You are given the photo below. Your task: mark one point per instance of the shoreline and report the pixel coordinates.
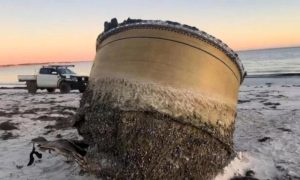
(278, 75)
(13, 87)
(258, 77)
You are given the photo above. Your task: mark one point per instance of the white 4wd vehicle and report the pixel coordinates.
(52, 77)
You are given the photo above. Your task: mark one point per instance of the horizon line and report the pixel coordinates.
(257, 49)
(41, 63)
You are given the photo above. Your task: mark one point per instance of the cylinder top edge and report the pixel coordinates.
(114, 27)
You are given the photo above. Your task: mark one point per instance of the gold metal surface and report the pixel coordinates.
(168, 58)
(157, 94)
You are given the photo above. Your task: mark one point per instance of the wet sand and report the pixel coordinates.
(266, 134)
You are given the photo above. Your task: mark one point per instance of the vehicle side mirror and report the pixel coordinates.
(54, 73)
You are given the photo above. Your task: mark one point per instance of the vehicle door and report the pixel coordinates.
(47, 78)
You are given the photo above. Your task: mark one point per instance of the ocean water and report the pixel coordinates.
(271, 61)
(256, 62)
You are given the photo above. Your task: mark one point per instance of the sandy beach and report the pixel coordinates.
(23, 117)
(266, 135)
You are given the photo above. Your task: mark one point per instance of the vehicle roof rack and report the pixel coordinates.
(59, 65)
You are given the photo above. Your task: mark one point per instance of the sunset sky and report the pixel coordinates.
(65, 30)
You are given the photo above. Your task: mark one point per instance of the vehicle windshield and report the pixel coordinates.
(65, 71)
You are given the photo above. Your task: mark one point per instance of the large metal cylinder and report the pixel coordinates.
(161, 102)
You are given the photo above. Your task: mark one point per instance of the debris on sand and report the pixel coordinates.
(271, 104)
(154, 121)
(9, 114)
(48, 132)
(19, 166)
(249, 175)
(60, 123)
(243, 178)
(7, 126)
(285, 129)
(264, 139)
(8, 135)
(71, 149)
(31, 157)
(240, 101)
(38, 139)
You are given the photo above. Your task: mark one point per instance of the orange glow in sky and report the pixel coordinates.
(35, 31)
(60, 46)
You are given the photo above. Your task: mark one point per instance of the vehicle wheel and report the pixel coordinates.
(82, 89)
(64, 87)
(50, 90)
(31, 86)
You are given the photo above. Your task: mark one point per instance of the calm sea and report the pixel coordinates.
(256, 62)
(271, 61)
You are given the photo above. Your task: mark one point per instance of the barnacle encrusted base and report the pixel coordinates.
(144, 130)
